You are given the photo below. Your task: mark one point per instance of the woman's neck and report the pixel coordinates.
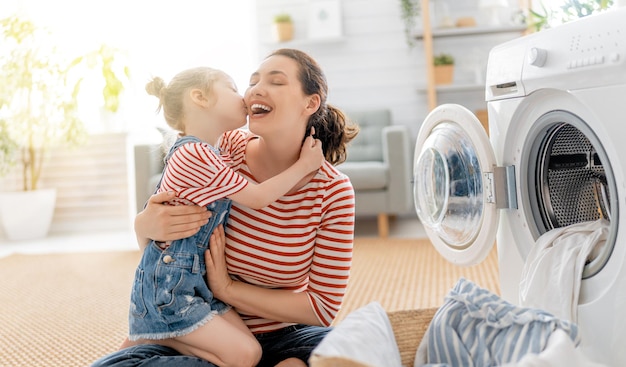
(267, 160)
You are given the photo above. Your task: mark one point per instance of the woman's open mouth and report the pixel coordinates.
(259, 109)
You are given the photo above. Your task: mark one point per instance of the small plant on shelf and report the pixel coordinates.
(283, 27)
(282, 18)
(443, 59)
(444, 68)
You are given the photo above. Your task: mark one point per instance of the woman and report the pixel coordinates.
(289, 262)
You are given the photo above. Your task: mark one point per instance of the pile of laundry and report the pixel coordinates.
(475, 327)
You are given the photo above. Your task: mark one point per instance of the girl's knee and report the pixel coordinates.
(291, 362)
(248, 354)
(254, 352)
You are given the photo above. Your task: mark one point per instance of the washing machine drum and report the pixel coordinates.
(570, 179)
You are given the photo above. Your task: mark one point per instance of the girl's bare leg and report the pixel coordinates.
(225, 341)
(127, 343)
(291, 362)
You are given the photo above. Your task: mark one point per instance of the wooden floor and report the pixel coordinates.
(68, 309)
(407, 226)
(66, 298)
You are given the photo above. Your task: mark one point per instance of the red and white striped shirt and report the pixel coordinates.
(199, 176)
(301, 242)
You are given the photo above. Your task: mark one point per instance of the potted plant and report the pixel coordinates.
(38, 111)
(409, 11)
(283, 27)
(444, 68)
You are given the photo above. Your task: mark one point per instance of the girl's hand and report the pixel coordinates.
(311, 152)
(216, 272)
(162, 222)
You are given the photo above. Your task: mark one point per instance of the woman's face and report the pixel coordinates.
(275, 101)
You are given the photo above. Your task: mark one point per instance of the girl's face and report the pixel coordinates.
(228, 107)
(275, 100)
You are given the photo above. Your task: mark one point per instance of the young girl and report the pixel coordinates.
(171, 303)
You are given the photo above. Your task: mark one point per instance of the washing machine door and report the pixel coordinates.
(453, 184)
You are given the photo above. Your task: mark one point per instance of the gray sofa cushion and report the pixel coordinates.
(367, 145)
(366, 175)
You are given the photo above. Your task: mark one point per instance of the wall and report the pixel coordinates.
(372, 66)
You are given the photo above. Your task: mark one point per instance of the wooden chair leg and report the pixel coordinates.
(383, 225)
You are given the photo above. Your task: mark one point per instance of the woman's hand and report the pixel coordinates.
(162, 222)
(216, 272)
(275, 304)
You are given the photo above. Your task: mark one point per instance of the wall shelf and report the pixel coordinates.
(471, 31)
(454, 88)
(428, 35)
(306, 41)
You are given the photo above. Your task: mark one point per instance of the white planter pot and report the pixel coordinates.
(27, 214)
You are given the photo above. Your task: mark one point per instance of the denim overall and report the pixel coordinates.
(170, 296)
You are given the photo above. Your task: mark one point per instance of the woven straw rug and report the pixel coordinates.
(70, 309)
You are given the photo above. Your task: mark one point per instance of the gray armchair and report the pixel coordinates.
(379, 167)
(148, 169)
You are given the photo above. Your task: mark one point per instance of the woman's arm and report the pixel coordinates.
(274, 304)
(327, 278)
(162, 222)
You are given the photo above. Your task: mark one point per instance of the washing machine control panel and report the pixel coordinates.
(585, 53)
(592, 50)
(537, 56)
(581, 54)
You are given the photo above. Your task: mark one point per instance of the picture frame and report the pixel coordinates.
(325, 19)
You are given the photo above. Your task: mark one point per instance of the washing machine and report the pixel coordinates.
(555, 156)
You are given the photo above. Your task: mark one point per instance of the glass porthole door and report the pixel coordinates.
(454, 184)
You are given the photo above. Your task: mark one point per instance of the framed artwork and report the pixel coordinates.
(325, 19)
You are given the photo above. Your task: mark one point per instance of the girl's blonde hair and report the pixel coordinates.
(171, 96)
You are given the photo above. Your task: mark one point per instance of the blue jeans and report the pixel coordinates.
(294, 341)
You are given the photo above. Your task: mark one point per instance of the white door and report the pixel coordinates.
(454, 189)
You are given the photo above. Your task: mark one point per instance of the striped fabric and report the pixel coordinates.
(302, 242)
(475, 327)
(199, 176)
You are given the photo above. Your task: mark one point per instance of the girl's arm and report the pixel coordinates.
(163, 222)
(263, 194)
